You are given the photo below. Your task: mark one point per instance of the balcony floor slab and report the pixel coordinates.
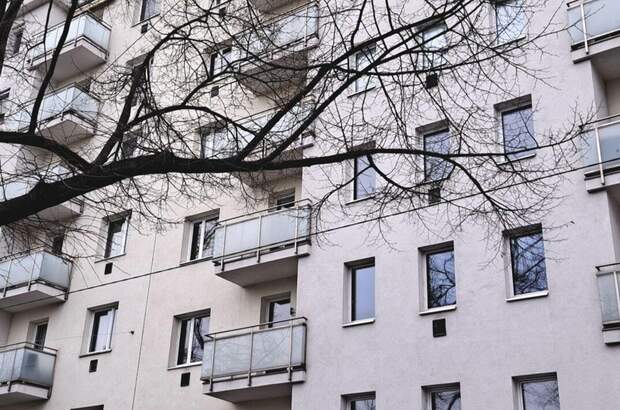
(267, 386)
(22, 298)
(20, 393)
(76, 57)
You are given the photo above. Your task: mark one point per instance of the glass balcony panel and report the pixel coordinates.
(609, 138)
(271, 349)
(37, 266)
(239, 237)
(232, 356)
(602, 17)
(609, 297)
(27, 365)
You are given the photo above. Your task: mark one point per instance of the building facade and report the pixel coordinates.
(239, 308)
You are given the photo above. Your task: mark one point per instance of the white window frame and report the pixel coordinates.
(220, 59)
(496, 5)
(424, 252)
(521, 380)
(356, 196)
(124, 229)
(365, 56)
(209, 141)
(430, 47)
(214, 216)
(508, 237)
(613, 324)
(348, 399)
(108, 342)
(5, 96)
(190, 336)
(441, 388)
(350, 267)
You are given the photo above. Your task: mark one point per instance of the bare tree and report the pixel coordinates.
(391, 103)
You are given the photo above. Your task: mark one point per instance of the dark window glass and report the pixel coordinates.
(130, 144)
(149, 9)
(363, 293)
(528, 263)
(191, 339)
(201, 329)
(518, 130)
(279, 310)
(285, 201)
(440, 279)
(4, 99)
(17, 41)
(101, 334)
(363, 404)
(362, 60)
(115, 242)
(195, 245)
(446, 400)
(183, 344)
(40, 332)
(203, 230)
(365, 178)
(436, 168)
(541, 395)
(57, 243)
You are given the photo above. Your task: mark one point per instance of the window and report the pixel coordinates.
(202, 237)
(518, 132)
(130, 143)
(365, 401)
(364, 183)
(219, 61)
(213, 142)
(538, 393)
(510, 20)
(361, 60)
(362, 285)
(446, 397)
(278, 310)
(440, 278)
(527, 256)
(116, 236)
(283, 200)
(39, 333)
(436, 169)
(192, 333)
(15, 41)
(433, 43)
(102, 329)
(609, 293)
(57, 244)
(148, 9)
(4, 104)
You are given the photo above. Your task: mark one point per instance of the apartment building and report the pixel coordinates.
(247, 307)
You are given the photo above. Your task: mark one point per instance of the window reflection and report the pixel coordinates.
(440, 279)
(528, 263)
(540, 395)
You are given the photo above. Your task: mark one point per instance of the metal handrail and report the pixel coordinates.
(34, 274)
(597, 139)
(574, 4)
(249, 215)
(261, 326)
(30, 346)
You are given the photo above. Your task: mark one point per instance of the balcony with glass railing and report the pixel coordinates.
(66, 115)
(26, 373)
(591, 23)
(275, 52)
(32, 280)
(257, 362)
(608, 281)
(85, 47)
(602, 152)
(262, 246)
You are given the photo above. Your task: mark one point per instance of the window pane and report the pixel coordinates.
(609, 297)
(518, 129)
(528, 263)
(436, 168)
(116, 238)
(434, 43)
(446, 400)
(363, 293)
(441, 284)
(510, 17)
(195, 244)
(40, 334)
(542, 395)
(365, 179)
(362, 59)
(201, 329)
(279, 310)
(209, 235)
(182, 353)
(364, 404)
(149, 9)
(102, 326)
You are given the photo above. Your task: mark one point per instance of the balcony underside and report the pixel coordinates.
(76, 57)
(275, 263)
(267, 5)
(260, 178)
(67, 128)
(267, 386)
(16, 393)
(21, 298)
(280, 74)
(64, 211)
(603, 47)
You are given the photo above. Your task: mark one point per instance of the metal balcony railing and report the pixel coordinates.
(295, 27)
(27, 363)
(590, 20)
(68, 100)
(261, 232)
(39, 267)
(85, 26)
(608, 281)
(255, 350)
(602, 144)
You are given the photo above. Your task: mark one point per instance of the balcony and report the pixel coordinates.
(33, 280)
(26, 373)
(275, 53)
(608, 281)
(255, 363)
(594, 28)
(602, 153)
(86, 47)
(66, 116)
(263, 246)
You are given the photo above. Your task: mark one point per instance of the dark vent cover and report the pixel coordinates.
(92, 367)
(185, 379)
(439, 328)
(108, 268)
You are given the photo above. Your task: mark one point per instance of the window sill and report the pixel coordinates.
(359, 322)
(532, 295)
(194, 261)
(507, 161)
(438, 310)
(145, 21)
(515, 41)
(358, 200)
(95, 353)
(109, 258)
(185, 366)
(356, 93)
